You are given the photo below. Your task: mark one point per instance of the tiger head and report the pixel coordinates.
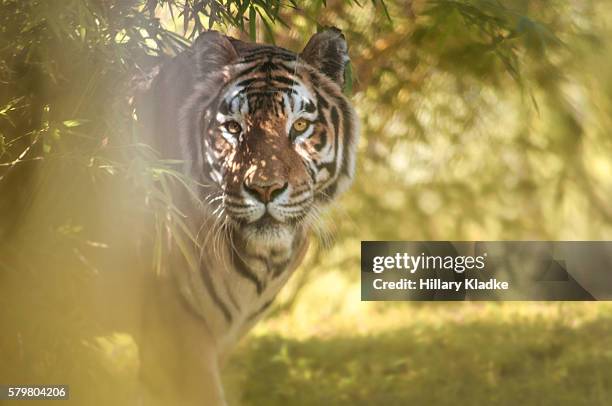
(276, 135)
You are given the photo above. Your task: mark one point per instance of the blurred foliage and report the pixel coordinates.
(481, 120)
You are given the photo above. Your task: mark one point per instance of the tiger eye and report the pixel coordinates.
(301, 125)
(233, 127)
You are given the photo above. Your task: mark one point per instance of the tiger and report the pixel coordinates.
(269, 139)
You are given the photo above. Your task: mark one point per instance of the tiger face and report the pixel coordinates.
(263, 151)
(278, 137)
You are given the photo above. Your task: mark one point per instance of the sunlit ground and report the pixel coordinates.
(332, 349)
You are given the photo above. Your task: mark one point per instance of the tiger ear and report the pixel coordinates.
(327, 51)
(213, 51)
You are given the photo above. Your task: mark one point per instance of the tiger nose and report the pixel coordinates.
(265, 193)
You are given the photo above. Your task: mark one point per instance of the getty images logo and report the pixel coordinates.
(414, 263)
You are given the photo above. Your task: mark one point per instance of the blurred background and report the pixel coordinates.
(481, 120)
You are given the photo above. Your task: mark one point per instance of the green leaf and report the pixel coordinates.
(252, 24)
(348, 79)
(73, 123)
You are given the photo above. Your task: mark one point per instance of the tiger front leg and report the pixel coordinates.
(189, 387)
(178, 356)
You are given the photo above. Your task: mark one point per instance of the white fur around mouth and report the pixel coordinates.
(267, 221)
(269, 232)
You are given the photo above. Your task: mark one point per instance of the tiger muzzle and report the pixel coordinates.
(265, 192)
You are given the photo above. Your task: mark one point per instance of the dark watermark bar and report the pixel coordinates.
(486, 270)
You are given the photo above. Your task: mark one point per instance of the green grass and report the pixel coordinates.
(356, 353)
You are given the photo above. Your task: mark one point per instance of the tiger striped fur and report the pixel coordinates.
(270, 139)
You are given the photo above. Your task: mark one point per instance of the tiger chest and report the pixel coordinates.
(250, 285)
